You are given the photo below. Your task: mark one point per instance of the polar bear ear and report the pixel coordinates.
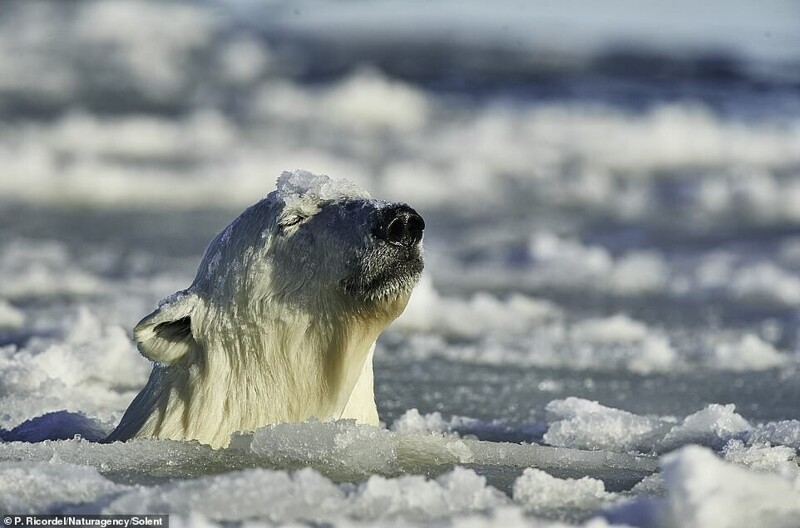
(165, 336)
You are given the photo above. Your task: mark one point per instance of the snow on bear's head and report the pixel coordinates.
(281, 319)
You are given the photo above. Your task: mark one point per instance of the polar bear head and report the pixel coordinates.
(281, 319)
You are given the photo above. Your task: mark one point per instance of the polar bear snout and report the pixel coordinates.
(400, 225)
(388, 266)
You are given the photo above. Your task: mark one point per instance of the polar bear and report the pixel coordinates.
(281, 320)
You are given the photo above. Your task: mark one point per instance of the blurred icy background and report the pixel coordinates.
(612, 195)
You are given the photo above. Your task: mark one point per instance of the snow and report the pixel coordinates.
(713, 426)
(578, 423)
(616, 329)
(63, 371)
(43, 269)
(560, 259)
(416, 498)
(569, 263)
(704, 491)
(413, 422)
(38, 487)
(778, 459)
(363, 103)
(640, 272)
(429, 311)
(522, 329)
(767, 282)
(307, 496)
(274, 495)
(297, 185)
(152, 50)
(374, 457)
(611, 280)
(584, 424)
(390, 137)
(532, 333)
(143, 137)
(339, 447)
(750, 353)
(245, 60)
(10, 317)
(541, 493)
(784, 432)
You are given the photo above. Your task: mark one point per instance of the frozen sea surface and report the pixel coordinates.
(607, 329)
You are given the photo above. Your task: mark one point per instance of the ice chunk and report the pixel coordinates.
(567, 262)
(341, 450)
(645, 350)
(429, 311)
(766, 282)
(601, 344)
(10, 317)
(610, 343)
(321, 187)
(337, 451)
(367, 100)
(415, 498)
(507, 516)
(563, 260)
(135, 458)
(586, 424)
(616, 329)
(308, 496)
(274, 495)
(338, 447)
(363, 102)
(656, 355)
(650, 485)
(203, 133)
(786, 433)
(43, 269)
(703, 491)
(49, 487)
(542, 494)
(779, 459)
(62, 372)
(345, 450)
(412, 422)
(302, 192)
(639, 272)
(749, 353)
(152, 51)
(244, 60)
(713, 426)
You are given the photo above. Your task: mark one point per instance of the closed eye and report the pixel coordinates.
(292, 220)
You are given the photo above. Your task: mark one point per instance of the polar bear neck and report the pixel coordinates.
(251, 370)
(293, 368)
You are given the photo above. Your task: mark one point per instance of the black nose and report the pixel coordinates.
(400, 224)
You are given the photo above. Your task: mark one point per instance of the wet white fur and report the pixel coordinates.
(271, 339)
